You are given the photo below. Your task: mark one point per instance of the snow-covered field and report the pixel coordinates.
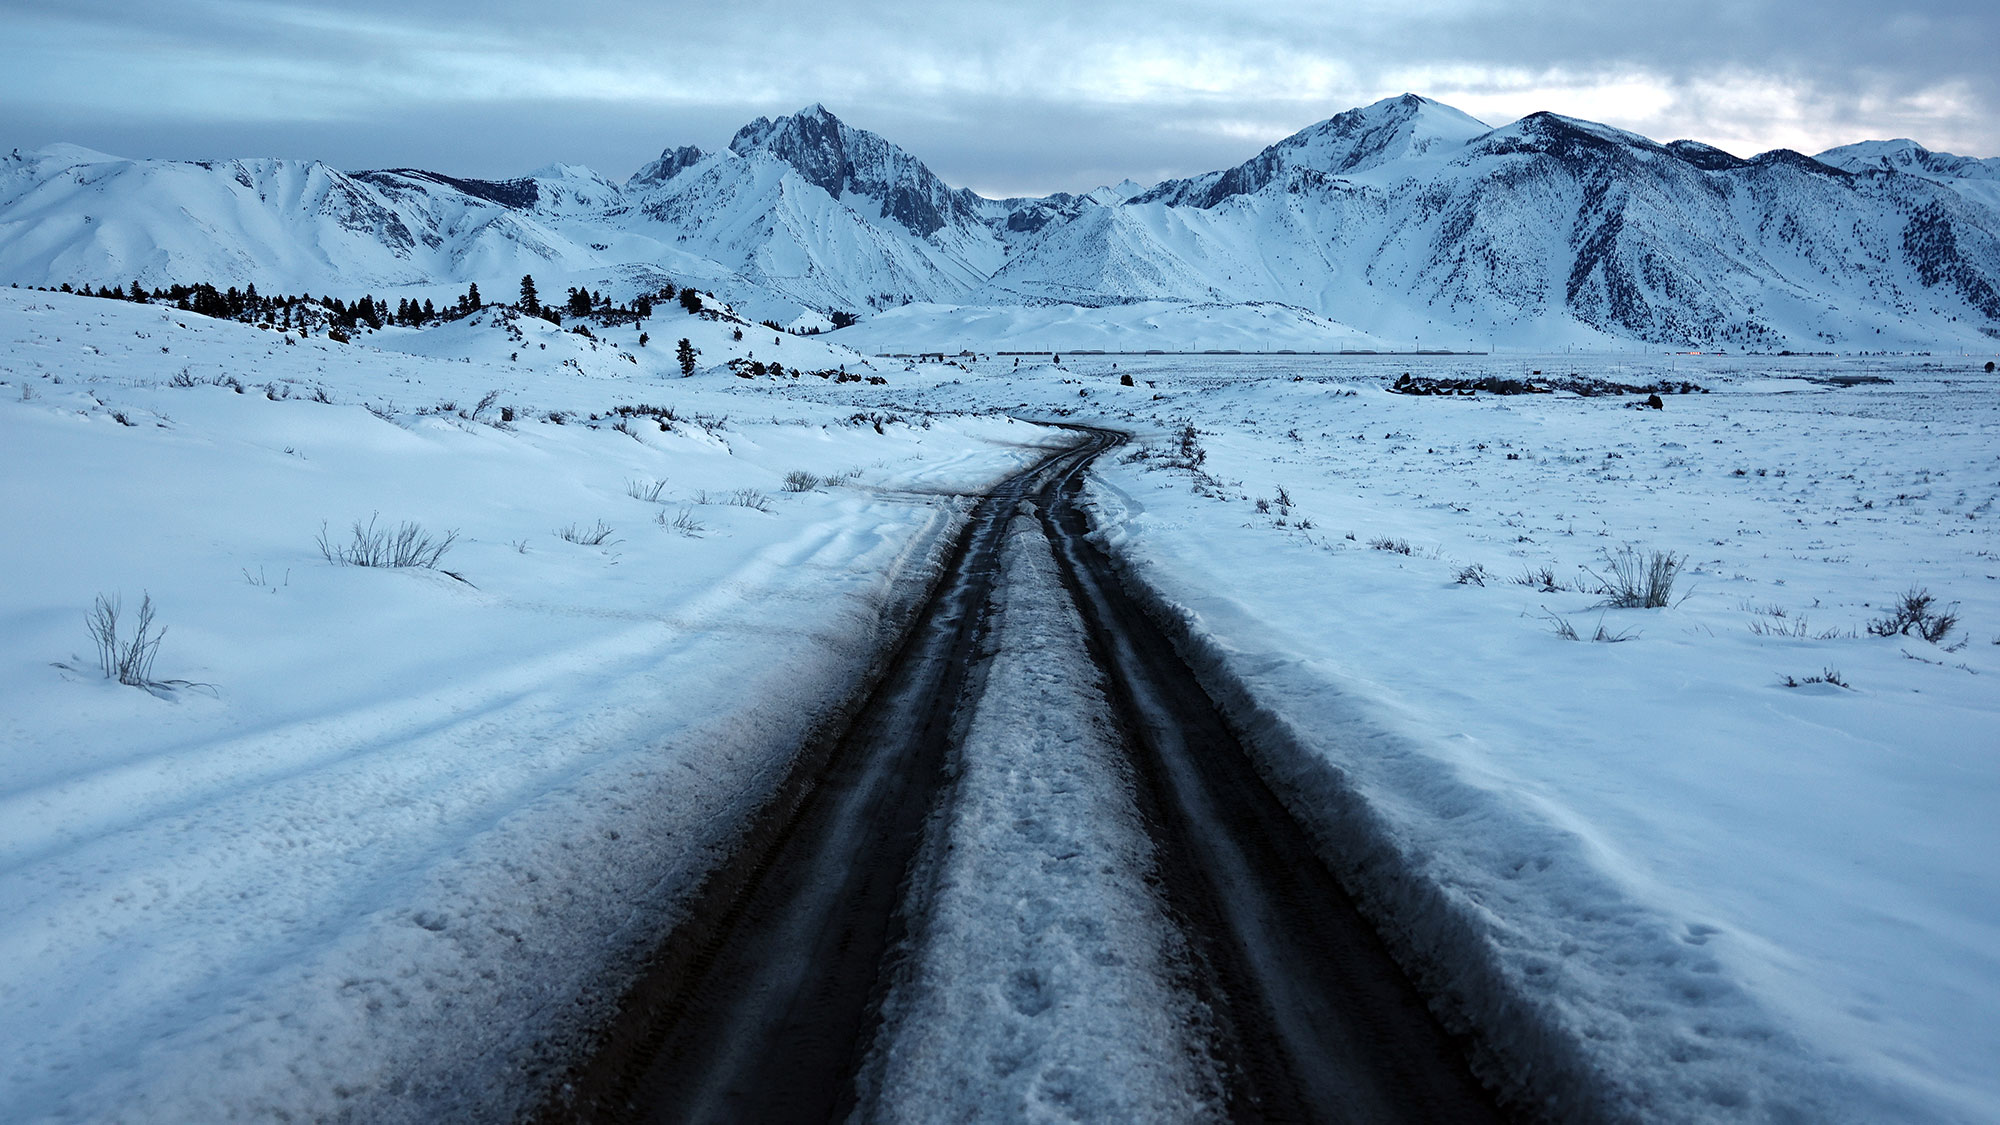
(395, 803)
(1740, 895)
(398, 822)
(1138, 327)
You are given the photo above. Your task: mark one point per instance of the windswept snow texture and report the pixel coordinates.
(1038, 985)
(1738, 866)
(1406, 220)
(1654, 861)
(402, 839)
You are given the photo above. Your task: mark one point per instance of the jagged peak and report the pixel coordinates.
(813, 124)
(840, 159)
(672, 162)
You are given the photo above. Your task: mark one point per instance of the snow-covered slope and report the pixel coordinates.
(1976, 179)
(1394, 129)
(67, 214)
(1140, 326)
(1406, 219)
(1548, 229)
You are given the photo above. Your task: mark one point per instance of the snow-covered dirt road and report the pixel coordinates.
(1038, 878)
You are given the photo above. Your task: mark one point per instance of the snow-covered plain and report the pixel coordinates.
(1137, 327)
(408, 804)
(387, 852)
(1742, 899)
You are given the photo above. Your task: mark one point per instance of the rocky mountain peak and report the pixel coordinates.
(844, 161)
(672, 162)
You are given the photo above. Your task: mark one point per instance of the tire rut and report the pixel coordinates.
(764, 1005)
(761, 1006)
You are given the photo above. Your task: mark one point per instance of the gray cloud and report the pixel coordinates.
(1006, 98)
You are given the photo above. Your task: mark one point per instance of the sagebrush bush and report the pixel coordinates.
(1917, 612)
(798, 480)
(408, 545)
(1541, 578)
(1639, 579)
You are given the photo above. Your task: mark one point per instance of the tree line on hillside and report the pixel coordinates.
(306, 313)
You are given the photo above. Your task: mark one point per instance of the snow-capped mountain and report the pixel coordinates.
(820, 212)
(1398, 129)
(1976, 179)
(68, 214)
(1905, 155)
(1406, 219)
(1410, 219)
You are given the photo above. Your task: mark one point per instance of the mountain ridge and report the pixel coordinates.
(1401, 217)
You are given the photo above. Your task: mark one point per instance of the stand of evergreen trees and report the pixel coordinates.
(285, 311)
(304, 311)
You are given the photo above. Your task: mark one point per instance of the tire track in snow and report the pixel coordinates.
(1040, 982)
(1058, 942)
(1317, 1020)
(761, 1007)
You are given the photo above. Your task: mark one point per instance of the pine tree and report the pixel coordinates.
(530, 302)
(691, 301)
(685, 353)
(472, 301)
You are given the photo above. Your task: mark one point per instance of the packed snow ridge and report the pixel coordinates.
(1404, 224)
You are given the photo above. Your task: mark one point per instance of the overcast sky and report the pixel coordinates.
(1021, 97)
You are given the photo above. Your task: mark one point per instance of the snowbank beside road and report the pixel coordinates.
(1734, 899)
